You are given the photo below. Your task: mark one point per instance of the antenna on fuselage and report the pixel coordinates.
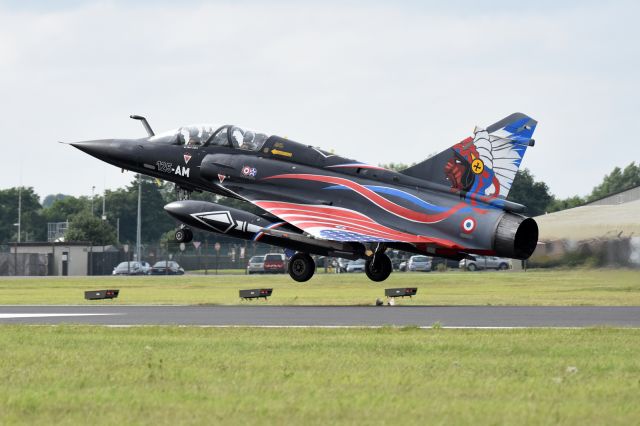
(145, 123)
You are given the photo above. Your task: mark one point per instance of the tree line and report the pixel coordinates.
(84, 213)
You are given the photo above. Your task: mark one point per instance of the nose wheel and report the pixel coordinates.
(301, 267)
(378, 267)
(184, 235)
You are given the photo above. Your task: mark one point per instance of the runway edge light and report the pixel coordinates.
(101, 294)
(400, 292)
(256, 293)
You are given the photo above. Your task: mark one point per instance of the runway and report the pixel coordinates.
(327, 316)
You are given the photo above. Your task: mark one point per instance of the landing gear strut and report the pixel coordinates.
(184, 235)
(301, 267)
(378, 267)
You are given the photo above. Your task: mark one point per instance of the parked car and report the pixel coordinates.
(256, 265)
(403, 266)
(419, 263)
(485, 262)
(128, 268)
(450, 263)
(275, 263)
(164, 267)
(146, 268)
(341, 264)
(356, 266)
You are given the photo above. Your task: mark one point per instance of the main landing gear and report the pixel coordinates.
(183, 235)
(301, 267)
(378, 267)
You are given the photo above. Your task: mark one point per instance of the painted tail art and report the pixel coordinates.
(484, 164)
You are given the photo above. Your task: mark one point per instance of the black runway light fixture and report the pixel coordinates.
(400, 292)
(256, 293)
(101, 294)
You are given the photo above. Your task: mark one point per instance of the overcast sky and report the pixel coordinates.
(375, 81)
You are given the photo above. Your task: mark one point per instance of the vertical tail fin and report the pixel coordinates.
(484, 164)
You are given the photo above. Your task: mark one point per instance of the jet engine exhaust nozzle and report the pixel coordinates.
(516, 237)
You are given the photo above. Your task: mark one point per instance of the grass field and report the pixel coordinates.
(172, 375)
(535, 287)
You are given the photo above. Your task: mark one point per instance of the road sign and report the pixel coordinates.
(182, 247)
(196, 244)
(217, 247)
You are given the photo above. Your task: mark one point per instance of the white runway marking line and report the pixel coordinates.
(13, 316)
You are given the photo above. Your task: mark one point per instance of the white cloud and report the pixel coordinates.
(375, 82)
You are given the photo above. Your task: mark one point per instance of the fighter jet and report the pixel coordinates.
(451, 205)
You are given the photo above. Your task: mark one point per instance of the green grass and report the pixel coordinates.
(535, 287)
(173, 375)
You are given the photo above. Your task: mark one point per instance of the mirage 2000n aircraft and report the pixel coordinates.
(451, 205)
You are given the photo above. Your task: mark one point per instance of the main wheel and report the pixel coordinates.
(183, 235)
(301, 267)
(380, 269)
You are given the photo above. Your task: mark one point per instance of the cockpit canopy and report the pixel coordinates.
(208, 134)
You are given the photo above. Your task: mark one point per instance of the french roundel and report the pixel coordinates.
(468, 225)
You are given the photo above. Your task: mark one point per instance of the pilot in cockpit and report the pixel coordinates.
(188, 137)
(248, 141)
(193, 139)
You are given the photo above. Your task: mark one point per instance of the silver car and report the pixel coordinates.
(356, 265)
(485, 262)
(256, 265)
(419, 263)
(128, 268)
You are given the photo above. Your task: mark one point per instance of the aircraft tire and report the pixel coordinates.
(183, 235)
(380, 269)
(301, 267)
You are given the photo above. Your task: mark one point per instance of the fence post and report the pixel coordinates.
(206, 255)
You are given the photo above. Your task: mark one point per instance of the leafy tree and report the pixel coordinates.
(64, 208)
(616, 181)
(563, 204)
(535, 195)
(33, 226)
(49, 199)
(87, 227)
(396, 167)
(121, 211)
(122, 204)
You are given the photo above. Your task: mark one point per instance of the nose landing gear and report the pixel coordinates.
(184, 235)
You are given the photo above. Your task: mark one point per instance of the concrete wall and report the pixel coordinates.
(632, 194)
(77, 256)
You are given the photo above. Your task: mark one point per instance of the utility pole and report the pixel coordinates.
(139, 227)
(19, 212)
(93, 190)
(104, 215)
(104, 197)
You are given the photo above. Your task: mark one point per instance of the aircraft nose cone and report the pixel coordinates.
(101, 149)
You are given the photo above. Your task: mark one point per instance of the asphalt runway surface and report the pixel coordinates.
(257, 314)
